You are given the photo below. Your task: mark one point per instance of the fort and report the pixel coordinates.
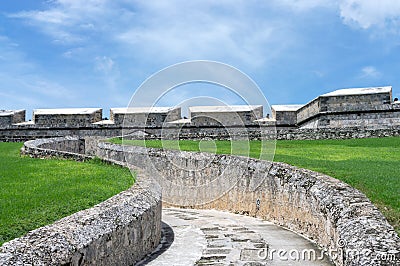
(125, 228)
(344, 113)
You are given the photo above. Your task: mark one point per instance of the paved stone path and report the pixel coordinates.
(209, 237)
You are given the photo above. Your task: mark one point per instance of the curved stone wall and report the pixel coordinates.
(336, 216)
(118, 231)
(65, 147)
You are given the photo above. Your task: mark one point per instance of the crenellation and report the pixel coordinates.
(363, 108)
(144, 116)
(296, 198)
(285, 115)
(234, 115)
(72, 117)
(10, 117)
(360, 102)
(323, 111)
(308, 111)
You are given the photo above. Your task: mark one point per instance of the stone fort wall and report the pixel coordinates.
(361, 107)
(253, 133)
(315, 205)
(359, 110)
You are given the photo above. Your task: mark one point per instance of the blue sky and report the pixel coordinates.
(95, 53)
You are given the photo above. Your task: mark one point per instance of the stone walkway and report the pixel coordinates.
(209, 237)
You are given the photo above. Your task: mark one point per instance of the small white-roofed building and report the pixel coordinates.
(233, 115)
(285, 115)
(355, 99)
(353, 107)
(144, 116)
(10, 117)
(68, 117)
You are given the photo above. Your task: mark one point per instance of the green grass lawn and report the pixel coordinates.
(370, 165)
(37, 192)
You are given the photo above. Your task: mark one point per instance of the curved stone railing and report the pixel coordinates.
(64, 147)
(118, 231)
(336, 216)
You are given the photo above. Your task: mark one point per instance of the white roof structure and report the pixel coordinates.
(265, 119)
(104, 122)
(66, 111)
(9, 112)
(181, 121)
(287, 107)
(141, 110)
(222, 109)
(6, 112)
(359, 91)
(25, 123)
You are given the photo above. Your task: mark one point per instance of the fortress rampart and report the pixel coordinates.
(126, 227)
(326, 210)
(66, 117)
(11, 117)
(353, 112)
(364, 107)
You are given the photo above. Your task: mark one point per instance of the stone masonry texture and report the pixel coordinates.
(317, 206)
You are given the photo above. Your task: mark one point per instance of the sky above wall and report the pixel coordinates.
(95, 53)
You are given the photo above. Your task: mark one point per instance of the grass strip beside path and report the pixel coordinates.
(37, 192)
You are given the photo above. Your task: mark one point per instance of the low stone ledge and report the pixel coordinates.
(61, 147)
(336, 216)
(118, 231)
(285, 133)
(337, 133)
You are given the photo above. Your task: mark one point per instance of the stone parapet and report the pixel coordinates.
(10, 117)
(336, 216)
(144, 116)
(217, 133)
(72, 117)
(363, 108)
(337, 133)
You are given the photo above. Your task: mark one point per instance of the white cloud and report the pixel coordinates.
(244, 33)
(104, 64)
(370, 72)
(364, 14)
(182, 30)
(368, 13)
(66, 21)
(213, 30)
(110, 75)
(173, 30)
